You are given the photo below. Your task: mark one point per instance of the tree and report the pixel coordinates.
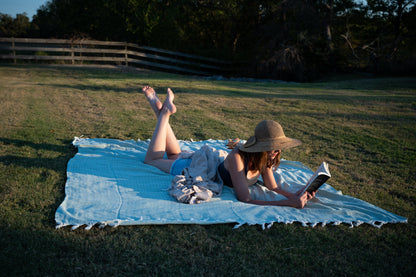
(375, 34)
(291, 42)
(281, 39)
(14, 27)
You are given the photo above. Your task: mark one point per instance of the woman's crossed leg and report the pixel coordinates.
(163, 139)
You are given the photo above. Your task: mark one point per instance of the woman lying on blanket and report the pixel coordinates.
(260, 155)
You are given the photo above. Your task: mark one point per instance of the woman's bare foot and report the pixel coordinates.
(168, 105)
(153, 99)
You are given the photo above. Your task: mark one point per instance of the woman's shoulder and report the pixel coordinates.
(235, 152)
(234, 157)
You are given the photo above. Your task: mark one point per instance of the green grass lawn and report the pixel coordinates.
(364, 127)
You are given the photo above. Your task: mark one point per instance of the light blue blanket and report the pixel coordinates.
(108, 184)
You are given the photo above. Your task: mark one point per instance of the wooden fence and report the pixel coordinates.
(109, 52)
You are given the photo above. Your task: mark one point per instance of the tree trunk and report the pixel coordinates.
(328, 23)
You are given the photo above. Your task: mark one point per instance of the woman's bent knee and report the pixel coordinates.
(162, 164)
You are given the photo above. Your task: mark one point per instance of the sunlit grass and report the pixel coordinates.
(365, 129)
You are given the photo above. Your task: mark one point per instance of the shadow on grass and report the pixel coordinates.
(305, 95)
(49, 253)
(50, 163)
(352, 81)
(57, 164)
(38, 146)
(280, 91)
(36, 157)
(116, 89)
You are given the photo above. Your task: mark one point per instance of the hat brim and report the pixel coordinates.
(279, 144)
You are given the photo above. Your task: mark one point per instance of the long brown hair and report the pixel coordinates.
(259, 160)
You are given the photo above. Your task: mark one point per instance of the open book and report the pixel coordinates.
(320, 176)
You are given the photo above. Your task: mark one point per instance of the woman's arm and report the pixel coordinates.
(270, 183)
(295, 202)
(235, 166)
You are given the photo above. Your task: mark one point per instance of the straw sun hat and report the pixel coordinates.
(268, 136)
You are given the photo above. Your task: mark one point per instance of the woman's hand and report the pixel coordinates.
(299, 201)
(310, 195)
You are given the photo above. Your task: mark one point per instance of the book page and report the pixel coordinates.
(320, 176)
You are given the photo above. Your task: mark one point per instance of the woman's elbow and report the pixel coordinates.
(246, 199)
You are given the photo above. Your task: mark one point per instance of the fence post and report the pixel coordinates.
(72, 52)
(80, 53)
(125, 55)
(14, 51)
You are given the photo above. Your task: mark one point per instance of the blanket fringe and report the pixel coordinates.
(89, 227)
(75, 227)
(264, 226)
(60, 226)
(352, 224)
(377, 224)
(238, 225)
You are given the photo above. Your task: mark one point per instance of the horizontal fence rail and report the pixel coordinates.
(110, 52)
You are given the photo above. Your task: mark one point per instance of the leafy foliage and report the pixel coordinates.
(292, 40)
(14, 27)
